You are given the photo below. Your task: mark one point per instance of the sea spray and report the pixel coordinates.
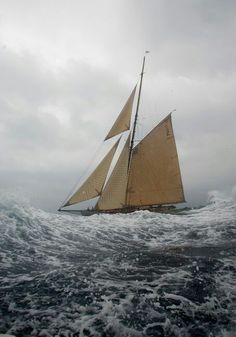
(142, 274)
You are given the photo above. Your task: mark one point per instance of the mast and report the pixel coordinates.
(137, 109)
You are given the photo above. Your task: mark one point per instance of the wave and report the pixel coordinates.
(142, 274)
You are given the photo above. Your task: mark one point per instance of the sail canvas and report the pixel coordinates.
(154, 177)
(145, 176)
(93, 185)
(122, 122)
(114, 193)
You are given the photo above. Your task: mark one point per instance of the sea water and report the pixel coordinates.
(139, 274)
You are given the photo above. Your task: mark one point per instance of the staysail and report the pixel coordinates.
(122, 122)
(93, 186)
(114, 194)
(154, 176)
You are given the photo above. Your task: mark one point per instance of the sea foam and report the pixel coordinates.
(139, 274)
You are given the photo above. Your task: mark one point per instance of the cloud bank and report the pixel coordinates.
(67, 69)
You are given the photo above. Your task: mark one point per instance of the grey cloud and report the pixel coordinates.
(53, 118)
(36, 144)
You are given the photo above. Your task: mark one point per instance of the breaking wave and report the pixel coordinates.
(142, 274)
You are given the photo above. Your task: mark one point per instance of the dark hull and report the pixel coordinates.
(159, 209)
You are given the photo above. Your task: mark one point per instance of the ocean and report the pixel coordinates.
(139, 274)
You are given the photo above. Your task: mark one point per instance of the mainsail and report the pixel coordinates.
(93, 186)
(122, 122)
(154, 176)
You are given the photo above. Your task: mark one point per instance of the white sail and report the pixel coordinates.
(122, 122)
(92, 187)
(114, 194)
(154, 177)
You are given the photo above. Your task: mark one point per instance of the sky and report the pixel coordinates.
(68, 66)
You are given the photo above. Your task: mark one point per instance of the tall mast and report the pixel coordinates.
(136, 113)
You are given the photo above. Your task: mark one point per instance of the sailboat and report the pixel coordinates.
(146, 176)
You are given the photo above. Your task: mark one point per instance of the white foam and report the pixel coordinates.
(79, 273)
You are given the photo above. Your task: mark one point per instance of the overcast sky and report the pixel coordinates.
(68, 66)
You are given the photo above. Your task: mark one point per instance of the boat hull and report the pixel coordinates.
(169, 209)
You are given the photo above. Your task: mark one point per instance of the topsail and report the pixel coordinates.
(122, 122)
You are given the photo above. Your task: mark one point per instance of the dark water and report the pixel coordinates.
(142, 274)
